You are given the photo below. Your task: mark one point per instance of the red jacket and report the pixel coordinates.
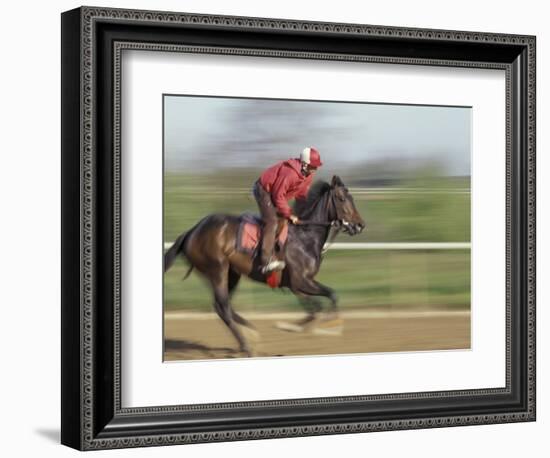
(285, 181)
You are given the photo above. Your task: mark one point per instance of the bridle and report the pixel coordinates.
(336, 222)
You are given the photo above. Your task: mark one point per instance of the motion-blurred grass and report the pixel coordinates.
(361, 279)
(422, 210)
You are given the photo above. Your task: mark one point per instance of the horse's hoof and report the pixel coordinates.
(251, 334)
(329, 328)
(289, 327)
(335, 332)
(250, 353)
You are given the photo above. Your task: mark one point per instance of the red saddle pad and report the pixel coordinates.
(250, 235)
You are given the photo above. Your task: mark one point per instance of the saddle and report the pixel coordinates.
(249, 235)
(249, 238)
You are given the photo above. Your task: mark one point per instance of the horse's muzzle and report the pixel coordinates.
(352, 228)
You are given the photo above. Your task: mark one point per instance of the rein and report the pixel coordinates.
(308, 222)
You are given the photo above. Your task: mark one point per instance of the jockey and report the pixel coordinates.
(275, 187)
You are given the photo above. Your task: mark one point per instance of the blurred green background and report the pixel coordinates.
(425, 209)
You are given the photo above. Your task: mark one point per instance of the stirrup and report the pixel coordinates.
(273, 265)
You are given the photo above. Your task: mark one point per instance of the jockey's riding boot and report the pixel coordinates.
(273, 264)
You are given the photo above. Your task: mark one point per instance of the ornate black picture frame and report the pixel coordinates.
(92, 42)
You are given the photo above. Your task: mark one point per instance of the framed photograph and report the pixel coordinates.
(276, 228)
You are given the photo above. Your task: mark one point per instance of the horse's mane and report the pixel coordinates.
(303, 207)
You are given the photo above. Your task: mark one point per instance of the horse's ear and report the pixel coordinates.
(336, 181)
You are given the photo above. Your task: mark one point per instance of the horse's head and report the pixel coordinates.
(347, 215)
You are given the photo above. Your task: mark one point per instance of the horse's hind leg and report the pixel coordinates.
(225, 313)
(223, 309)
(250, 331)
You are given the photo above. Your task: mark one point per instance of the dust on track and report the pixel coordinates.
(204, 336)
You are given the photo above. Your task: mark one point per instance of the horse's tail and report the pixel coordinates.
(174, 250)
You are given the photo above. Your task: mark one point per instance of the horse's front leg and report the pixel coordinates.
(331, 323)
(311, 305)
(311, 287)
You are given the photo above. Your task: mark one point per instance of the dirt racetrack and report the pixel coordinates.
(197, 336)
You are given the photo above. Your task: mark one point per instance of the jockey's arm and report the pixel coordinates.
(279, 196)
(302, 195)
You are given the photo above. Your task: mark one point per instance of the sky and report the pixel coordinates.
(201, 133)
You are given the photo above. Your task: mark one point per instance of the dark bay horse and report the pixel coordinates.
(210, 248)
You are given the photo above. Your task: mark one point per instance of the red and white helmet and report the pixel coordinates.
(311, 157)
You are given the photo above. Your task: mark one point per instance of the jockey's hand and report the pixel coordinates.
(293, 219)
